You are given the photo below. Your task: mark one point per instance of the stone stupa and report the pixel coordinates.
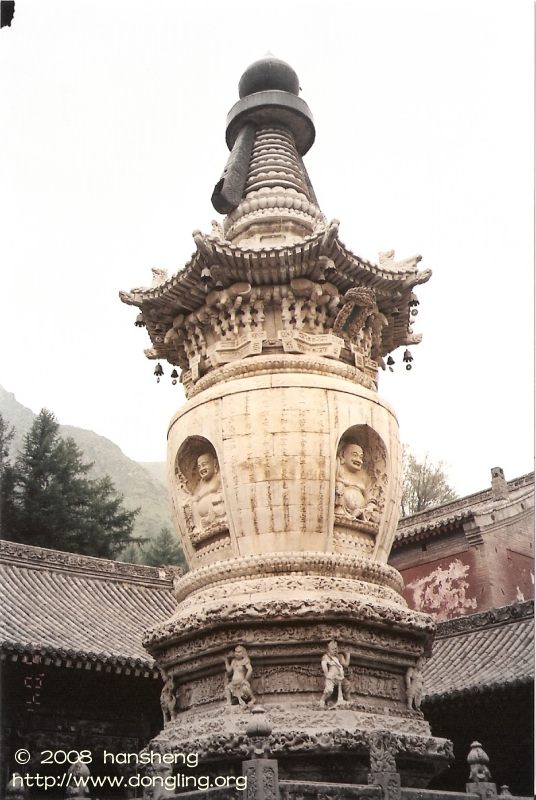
(284, 473)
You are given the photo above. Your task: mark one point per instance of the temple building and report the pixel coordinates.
(470, 555)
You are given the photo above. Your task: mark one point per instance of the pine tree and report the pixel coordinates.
(49, 487)
(130, 555)
(57, 505)
(6, 437)
(164, 551)
(107, 527)
(7, 478)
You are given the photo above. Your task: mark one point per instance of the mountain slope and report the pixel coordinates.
(157, 469)
(139, 486)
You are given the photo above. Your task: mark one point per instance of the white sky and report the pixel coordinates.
(112, 138)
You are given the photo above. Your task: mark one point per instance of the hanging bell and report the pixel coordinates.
(174, 376)
(140, 322)
(390, 362)
(408, 358)
(413, 301)
(395, 312)
(206, 277)
(326, 269)
(330, 268)
(158, 371)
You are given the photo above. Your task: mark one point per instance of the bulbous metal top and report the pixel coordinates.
(266, 74)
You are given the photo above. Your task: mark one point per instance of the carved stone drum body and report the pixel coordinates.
(275, 440)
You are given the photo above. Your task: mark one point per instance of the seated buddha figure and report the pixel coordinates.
(207, 498)
(352, 486)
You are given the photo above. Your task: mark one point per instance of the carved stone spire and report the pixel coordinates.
(265, 189)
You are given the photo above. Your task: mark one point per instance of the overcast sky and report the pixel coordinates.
(112, 138)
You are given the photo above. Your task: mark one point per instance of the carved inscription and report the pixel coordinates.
(300, 342)
(238, 347)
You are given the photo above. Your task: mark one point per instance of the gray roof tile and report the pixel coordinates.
(488, 650)
(88, 610)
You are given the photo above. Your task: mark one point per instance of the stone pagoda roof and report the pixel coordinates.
(70, 610)
(491, 650)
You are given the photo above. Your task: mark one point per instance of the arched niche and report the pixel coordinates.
(200, 495)
(361, 477)
(186, 462)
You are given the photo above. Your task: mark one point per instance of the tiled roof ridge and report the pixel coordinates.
(485, 619)
(434, 526)
(482, 653)
(460, 503)
(68, 654)
(474, 689)
(90, 566)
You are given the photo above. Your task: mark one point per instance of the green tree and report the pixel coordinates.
(424, 484)
(164, 551)
(7, 477)
(131, 554)
(57, 505)
(107, 525)
(6, 437)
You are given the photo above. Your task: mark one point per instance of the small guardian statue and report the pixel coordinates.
(16, 789)
(239, 670)
(333, 665)
(415, 685)
(168, 700)
(78, 790)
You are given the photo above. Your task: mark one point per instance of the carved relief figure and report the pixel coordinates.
(358, 303)
(352, 487)
(239, 671)
(79, 771)
(414, 685)
(333, 665)
(16, 788)
(199, 487)
(168, 700)
(208, 499)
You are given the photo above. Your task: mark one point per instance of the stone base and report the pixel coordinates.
(335, 745)
(285, 622)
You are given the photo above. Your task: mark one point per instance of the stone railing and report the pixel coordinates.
(263, 783)
(261, 780)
